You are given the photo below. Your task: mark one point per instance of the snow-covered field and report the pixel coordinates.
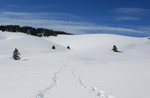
(88, 70)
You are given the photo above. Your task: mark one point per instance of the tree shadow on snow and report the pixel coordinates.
(119, 51)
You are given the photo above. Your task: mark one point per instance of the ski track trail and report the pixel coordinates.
(94, 89)
(53, 83)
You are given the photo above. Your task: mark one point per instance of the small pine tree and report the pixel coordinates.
(115, 48)
(53, 47)
(68, 47)
(16, 54)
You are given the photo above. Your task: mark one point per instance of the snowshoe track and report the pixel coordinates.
(94, 89)
(53, 83)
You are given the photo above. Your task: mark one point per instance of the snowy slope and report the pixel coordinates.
(89, 70)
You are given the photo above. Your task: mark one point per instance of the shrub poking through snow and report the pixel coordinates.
(115, 48)
(53, 47)
(16, 54)
(68, 47)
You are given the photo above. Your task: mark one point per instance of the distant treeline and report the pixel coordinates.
(32, 31)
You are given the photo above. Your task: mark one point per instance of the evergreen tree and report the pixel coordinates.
(68, 47)
(53, 47)
(115, 48)
(16, 54)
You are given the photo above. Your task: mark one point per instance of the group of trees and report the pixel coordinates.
(53, 47)
(16, 53)
(32, 31)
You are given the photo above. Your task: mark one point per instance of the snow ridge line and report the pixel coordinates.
(94, 89)
(53, 84)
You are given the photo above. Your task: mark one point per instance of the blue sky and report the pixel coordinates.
(126, 17)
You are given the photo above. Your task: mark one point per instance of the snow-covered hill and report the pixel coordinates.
(88, 70)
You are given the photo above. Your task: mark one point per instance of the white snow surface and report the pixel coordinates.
(88, 70)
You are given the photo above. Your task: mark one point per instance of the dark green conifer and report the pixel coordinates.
(16, 54)
(53, 47)
(115, 48)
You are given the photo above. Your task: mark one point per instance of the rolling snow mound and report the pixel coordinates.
(89, 69)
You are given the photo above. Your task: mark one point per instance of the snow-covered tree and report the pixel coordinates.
(16, 54)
